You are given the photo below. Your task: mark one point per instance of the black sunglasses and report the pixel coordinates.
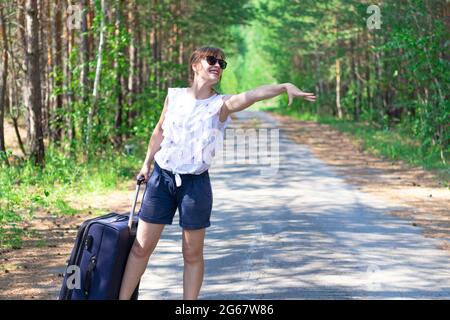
(213, 60)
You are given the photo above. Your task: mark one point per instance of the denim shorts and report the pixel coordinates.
(162, 197)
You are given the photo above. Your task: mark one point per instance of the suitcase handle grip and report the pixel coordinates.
(139, 181)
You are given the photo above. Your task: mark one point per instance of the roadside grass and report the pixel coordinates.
(26, 189)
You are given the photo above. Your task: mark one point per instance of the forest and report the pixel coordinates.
(82, 83)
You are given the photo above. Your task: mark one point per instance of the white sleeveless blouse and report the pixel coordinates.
(191, 132)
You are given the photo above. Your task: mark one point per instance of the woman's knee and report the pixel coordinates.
(192, 256)
(193, 245)
(147, 238)
(140, 250)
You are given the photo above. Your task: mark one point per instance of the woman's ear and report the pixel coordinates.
(195, 67)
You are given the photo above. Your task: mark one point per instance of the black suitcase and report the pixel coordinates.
(99, 256)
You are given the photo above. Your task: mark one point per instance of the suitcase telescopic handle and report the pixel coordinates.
(139, 181)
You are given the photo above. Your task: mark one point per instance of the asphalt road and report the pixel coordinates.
(300, 233)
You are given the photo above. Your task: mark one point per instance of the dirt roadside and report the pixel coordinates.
(35, 270)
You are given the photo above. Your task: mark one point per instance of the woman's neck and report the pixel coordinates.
(201, 92)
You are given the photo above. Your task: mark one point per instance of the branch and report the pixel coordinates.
(16, 60)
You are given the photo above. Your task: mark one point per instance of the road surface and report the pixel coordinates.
(302, 233)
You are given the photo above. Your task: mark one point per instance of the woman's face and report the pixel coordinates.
(209, 73)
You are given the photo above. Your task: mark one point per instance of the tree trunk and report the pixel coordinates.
(119, 78)
(70, 121)
(14, 111)
(84, 48)
(23, 37)
(95, 92)
(338, 88)
(4, 78)
(155, 48)
(133, 78)
(56, 116)
(338, 72)
(378, 80)
(48, 101)
(368, 82)
(139, 55)
(32, 88)
(355, 79)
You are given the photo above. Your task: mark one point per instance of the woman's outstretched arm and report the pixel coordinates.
(238, 102)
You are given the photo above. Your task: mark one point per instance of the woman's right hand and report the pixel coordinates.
(144, 172)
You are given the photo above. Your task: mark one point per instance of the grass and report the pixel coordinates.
(393, 144)
(11, 236)
(26, 189)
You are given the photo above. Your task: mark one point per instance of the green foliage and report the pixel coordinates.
(397, 77)
(26, 189)
(120, 117)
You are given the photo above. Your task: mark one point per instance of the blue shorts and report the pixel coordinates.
(162, 197)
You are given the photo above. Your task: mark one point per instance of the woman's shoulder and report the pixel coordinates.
(176, 89)
(174, 92)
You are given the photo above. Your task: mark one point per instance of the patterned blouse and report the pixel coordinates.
(191, 132)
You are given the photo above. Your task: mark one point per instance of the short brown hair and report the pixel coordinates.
(200, 53)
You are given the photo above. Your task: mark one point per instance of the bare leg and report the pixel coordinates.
(147, 238)
(193, 262)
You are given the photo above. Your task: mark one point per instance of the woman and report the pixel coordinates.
(182, 147)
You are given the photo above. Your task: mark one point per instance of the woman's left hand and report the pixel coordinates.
(293, 92)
